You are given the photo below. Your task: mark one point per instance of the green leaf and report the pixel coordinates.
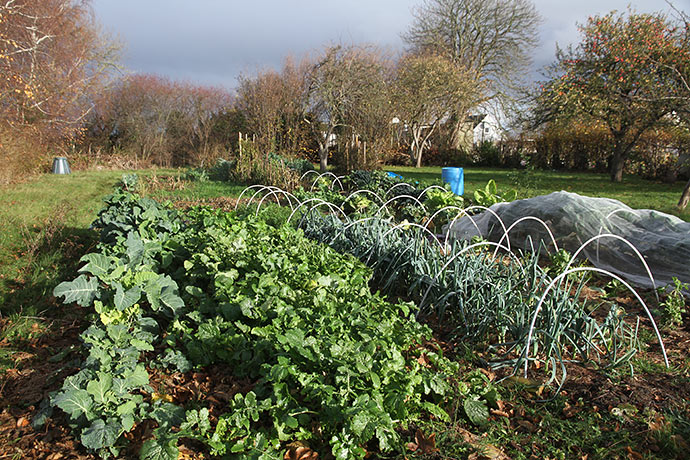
(138, 377)
(160, 449)
(291, 422)
(127, 408)
(119, 333)
(126, 298)
(491, 187)
(75, 402)
(163, 291)
(99, 388)
(101, 434)
(135, 248)
(168, 414)
(196, 419)
(169, 297)
(83, 290)
(177, 359)
(127, 421)
(476, 411)
(141, 345)
(98, 264)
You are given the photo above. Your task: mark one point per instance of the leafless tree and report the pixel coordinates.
(426, 90)
(274, 104)
(345, 85)
(493, 39)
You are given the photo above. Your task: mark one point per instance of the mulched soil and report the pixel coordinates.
(25, 386)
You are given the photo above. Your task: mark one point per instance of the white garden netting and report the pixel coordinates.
(663, 240)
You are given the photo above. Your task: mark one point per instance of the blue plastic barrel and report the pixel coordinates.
(456, 178)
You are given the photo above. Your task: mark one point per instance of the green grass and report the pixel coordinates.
(633, 191)
(193, 191)
(41, 222)
(44, 228)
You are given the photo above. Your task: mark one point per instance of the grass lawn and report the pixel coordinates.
(45, 219)
(635, 192)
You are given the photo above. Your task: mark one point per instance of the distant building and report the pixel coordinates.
(477, 129)
(486, 129)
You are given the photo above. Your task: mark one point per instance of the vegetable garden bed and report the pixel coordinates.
(221, 334)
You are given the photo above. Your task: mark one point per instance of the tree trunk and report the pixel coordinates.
(323, 159)
(685, 197)
(617, 163)
(458, 136)
(418, 164)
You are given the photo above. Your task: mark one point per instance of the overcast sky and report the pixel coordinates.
(213, 41)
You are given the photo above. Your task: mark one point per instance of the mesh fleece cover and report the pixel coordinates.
(662, 239)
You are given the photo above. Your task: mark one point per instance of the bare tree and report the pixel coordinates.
(274, 104)
(344, 85)
(426, 90)
(261, 98)
(493, 39)
(52, 56)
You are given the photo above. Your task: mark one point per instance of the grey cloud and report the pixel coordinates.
(213, 41)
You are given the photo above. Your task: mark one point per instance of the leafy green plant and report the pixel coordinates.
(185, 291)
(437, 199)
(196, 175)
(673, 306)
(490, 195)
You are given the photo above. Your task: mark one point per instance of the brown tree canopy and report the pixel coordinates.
(52, 57)
(427, 89)
(156, 120)
(274, 104)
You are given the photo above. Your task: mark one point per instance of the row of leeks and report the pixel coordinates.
(530, 319)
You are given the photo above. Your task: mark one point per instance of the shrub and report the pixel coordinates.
(254, 167)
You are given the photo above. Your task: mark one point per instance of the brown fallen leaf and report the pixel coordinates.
(488, 452)
(491, 375)
(423, 360)
(22, 422)
(527, 426)
(484, 451)
(299, 451)
(423, 444)
(570, 411)
(632, 455)
(500, 413)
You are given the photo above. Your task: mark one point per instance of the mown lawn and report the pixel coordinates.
(633, 191)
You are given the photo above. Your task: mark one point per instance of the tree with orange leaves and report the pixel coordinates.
(52, 55)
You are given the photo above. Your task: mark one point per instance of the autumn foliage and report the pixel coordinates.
(52, 58)
(149, 119)
(623, 77)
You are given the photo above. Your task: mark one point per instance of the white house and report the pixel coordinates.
(487, 129)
